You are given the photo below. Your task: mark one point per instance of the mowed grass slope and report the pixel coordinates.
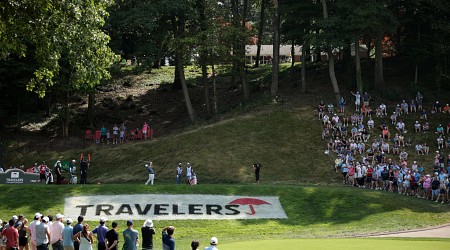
(313, 211)
(287, 143)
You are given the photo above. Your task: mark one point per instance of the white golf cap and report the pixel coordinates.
(214, 241)
(45, 219)
(69, 221)
(59, 216)
(102, 220)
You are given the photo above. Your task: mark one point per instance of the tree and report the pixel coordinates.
(276, 49)
(331, 70)
(53, 29)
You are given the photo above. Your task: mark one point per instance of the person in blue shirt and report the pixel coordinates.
(67, 235)
(168, 242)
(101, 231)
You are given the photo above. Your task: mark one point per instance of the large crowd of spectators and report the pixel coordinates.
(377, 148)
(66, 234)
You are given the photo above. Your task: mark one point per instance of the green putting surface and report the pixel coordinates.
(344, 244)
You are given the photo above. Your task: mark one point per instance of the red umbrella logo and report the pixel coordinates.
(250, 202)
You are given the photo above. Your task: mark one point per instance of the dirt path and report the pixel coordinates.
(442, 231)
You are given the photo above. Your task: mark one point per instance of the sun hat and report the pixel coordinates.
(148, 223)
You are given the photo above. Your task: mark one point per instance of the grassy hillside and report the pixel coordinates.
(313, 211)
(285, 142)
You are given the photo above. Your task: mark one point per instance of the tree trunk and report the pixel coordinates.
(245, 87)
(206, 86)
(347, 63)
(91, 105)
(203, 28)
(416, 72)
(334, 82)
(304, 66)
(236, 43)
(359, 82)
(187, 99)
(368, 41)
(18, 114)
(439, 75)
(215, 99)
(48, 104)
(66, 117)
(276, 49)
(379, 76)
(292, 70)
(176, 79)
(260, 31)
(318, 50)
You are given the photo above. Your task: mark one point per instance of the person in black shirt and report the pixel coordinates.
(112, 238)
(84, 166)
(147, 231)
(257, 168)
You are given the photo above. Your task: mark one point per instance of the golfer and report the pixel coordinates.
(151, 173)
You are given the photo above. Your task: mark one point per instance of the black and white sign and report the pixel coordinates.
(174, 207)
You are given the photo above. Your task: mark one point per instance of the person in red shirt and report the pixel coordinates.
(12, 236)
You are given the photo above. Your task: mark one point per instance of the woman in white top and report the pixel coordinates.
(84, 238)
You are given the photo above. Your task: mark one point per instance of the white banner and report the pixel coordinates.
(174, 207)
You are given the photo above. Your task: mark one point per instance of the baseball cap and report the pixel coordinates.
(146, 165)
(129, 222)
(69, 221)
(59, 216)
(14, 217)
(102, 220)
(214, 241)
(45, 219)
(37, 216)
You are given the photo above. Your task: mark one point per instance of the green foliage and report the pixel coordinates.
(52, 30)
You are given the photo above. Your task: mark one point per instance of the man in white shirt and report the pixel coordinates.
(56, 233)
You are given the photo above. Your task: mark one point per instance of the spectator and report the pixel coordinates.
(12, 236)
(42, 234)
(366, 99)
(115, 134)
(130, 237)
(179, 173)
(168, 242)
(76, 229)
(112, 237)
(417, 127)
(412, 106)
(67, 235)
(213, 243)
(103, 134)
(357, 100)
(101, 231)
(23, 235)
(145, 129)
(147, 231)
(342, 105)
(56, 232)
(419, 100)
(195, 244)
(84, 238)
